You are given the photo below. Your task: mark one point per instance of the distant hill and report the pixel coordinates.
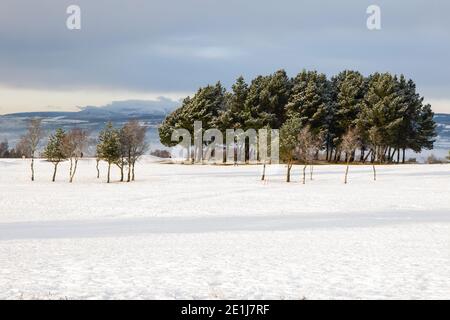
(152, 113)
(92, 118)
(117, 110)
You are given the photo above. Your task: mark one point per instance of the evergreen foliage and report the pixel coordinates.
(55, 151)
(385, 109)
(109, 147)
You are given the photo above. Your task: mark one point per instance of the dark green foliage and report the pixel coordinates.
(348, 91)
(55, 151)
(233, 116)
(109, 147)
(426, 128)
(386, 110)
(206, 106)
(310, 100)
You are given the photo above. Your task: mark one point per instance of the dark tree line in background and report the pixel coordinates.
(383, 111)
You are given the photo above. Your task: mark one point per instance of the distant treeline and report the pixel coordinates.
(385, 112)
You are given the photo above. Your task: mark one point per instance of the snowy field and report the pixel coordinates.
(198, 232)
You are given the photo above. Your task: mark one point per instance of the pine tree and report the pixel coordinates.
(175, 120)
(426, 128)
(279, 90)
(206, 106)
(55, 150)
(310, 102)
(108, 147)
(256, 113)
(379, 110)
(266, 100)
(349, 89)
(381, 103)
(232, 116)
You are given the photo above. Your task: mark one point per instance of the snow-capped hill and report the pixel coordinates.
(130, 108)
(116, 110)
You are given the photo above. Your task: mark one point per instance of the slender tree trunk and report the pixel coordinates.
(32, 168)
(121, 173)
(384, 154)
(264, 171)
(54, 172)
(352, 156)
(403, 157)
(74, 170)
(288, 174)
(393, 155)
(129, 172)
(374, 172)
(304, 173)
(98, 170)
(346, 172)
(70, 169)
(398, 155)
(367, 156)
(132, 171)
(109, 171)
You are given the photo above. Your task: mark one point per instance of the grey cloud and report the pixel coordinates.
(180, 45)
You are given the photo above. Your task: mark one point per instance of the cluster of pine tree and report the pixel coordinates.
(387, 112)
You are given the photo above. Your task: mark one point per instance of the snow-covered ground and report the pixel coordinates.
(198, 231)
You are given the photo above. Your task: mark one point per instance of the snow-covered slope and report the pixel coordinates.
(183, 231)
(164, 190)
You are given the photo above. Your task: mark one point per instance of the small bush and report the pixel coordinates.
(161, 153)
(433, 160)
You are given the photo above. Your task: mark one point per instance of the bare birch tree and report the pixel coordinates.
(135, 145)
(375, 139)
(31, 140)
(350, 141)
(75, 142)
(289, 143)
(316, 145)
(306, 148)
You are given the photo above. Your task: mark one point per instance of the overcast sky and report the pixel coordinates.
(139, 49)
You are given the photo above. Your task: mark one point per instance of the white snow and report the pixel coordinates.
(200, 231)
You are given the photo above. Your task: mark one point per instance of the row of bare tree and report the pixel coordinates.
(303, 146)
(122, 147)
